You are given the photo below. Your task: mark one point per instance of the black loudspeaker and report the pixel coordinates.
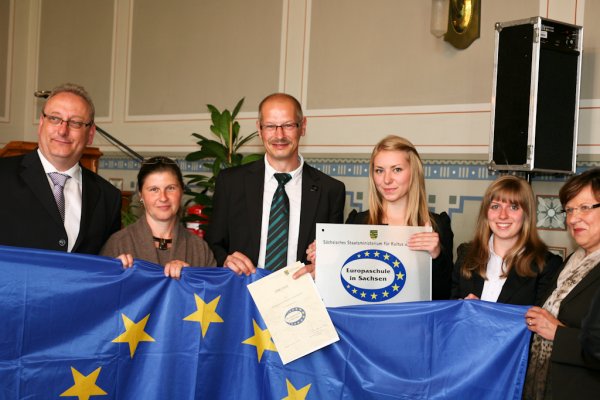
(535, 100)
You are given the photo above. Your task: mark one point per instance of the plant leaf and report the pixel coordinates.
(243, 140)
(212, 109)
(199, 136)
(235, 129)
(237, 108)
(224, 127)
(251, 157)
(214, 149)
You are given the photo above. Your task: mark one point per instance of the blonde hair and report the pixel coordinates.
(417, 213)
(528, 249)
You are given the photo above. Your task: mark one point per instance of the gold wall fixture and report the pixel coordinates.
(463, 22)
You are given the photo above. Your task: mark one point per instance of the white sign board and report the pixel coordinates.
(370, 264)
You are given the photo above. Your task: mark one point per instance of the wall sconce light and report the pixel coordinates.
(456, 20)
(439, 17)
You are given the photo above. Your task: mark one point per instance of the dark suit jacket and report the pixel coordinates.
(590, 330)
(441, 267)
(572, 374)
(516, 290)
(29, 216)
(235, 222)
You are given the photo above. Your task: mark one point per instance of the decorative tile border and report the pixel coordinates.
(461, 204)
(359, 168)
(355, 200)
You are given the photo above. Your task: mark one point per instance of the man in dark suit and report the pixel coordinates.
(75, 212)
(239, 225)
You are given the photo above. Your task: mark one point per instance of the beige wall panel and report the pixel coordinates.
(381, 53)
(590, 65)
(75, 45)
(185, 54)
(5, 57)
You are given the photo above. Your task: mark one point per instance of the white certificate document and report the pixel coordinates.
(293, 312)
(370, 264)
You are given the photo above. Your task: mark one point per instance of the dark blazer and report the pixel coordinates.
(590, 330)
(572, 374)
(441, 267)
(517, 289)
(235, 222)
(29, 216)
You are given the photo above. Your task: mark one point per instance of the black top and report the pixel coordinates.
(519, 290)
(442, 265)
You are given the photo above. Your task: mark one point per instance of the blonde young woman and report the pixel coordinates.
(397, 197)
(506, 262)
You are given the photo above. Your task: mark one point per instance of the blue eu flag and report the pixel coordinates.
(81, 327)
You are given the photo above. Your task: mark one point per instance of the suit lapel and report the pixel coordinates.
(511, 286)
(477, 284)
(90, 193)
(34, 176)
(311, 192)
(254, 189)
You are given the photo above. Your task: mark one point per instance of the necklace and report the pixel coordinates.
(162, 243)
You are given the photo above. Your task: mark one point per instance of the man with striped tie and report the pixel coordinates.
(265, 213)
(49, 200)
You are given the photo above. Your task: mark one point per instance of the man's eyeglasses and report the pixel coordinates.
(584, 209)
(287, 127)
(57, 121)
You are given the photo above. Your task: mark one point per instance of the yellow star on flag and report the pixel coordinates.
(205, 313)
(396, 263)
(261, 339)
(374, 296)
(386, 293)
(395, 287)
(134, 333)
(85, 386)
(386, 257)
(376, 254)
(296, 394)
(400, 275)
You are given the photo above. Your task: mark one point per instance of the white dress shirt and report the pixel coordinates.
(72, 193)
(293, 189)
(492, 286)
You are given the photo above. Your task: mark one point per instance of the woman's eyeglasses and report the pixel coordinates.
(584, 209)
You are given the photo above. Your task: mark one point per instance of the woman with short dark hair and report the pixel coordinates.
(557, 366)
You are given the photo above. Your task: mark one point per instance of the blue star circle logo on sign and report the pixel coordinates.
(373, 275)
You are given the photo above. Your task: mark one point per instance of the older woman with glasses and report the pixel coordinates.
(557, 366)
(158, 236)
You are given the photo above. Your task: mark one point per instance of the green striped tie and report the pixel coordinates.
(279, 221)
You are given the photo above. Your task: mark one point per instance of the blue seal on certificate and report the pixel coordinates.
(373, 275)
(295, 316)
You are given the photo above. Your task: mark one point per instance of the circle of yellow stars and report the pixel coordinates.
(377, 295)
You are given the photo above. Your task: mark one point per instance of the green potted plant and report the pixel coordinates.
(216, 153)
